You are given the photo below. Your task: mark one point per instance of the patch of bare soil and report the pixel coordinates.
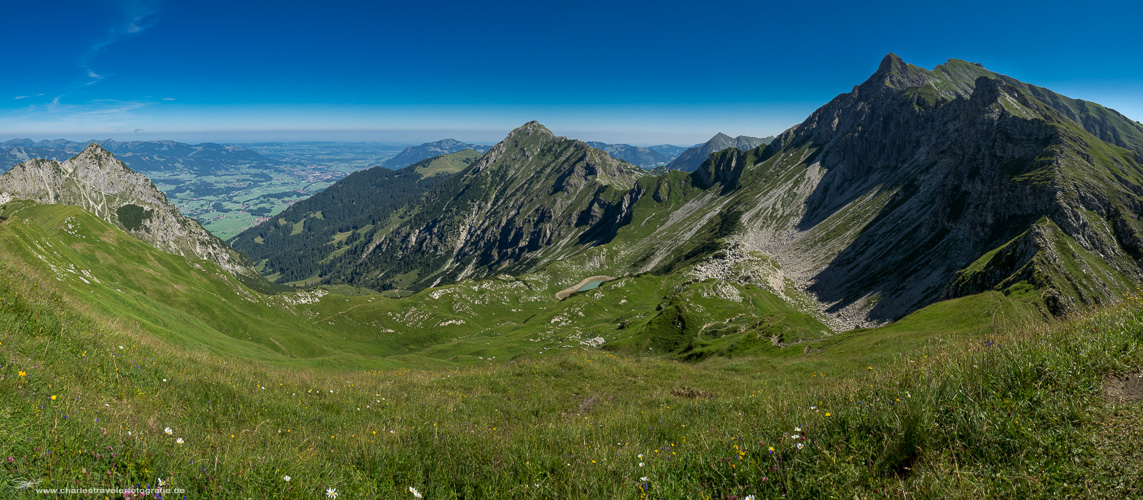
(1126, 388)
(588, 403)
(691, 393)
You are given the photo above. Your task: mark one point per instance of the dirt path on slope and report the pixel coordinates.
(327, 318)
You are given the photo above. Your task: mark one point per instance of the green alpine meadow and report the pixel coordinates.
(929, 288)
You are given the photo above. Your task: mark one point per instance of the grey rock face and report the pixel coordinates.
(101, 184)
(924, 185)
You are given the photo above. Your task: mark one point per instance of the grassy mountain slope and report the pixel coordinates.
(980, 406)
(193, 304)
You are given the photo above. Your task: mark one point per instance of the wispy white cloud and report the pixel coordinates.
(22, 97)
(108, 107)
(137, 16)
(93, 77)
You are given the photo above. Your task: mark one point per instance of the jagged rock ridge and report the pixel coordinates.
(101, 184)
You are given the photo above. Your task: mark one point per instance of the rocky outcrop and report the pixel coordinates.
(101, 184)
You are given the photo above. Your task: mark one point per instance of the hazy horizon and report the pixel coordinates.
(485, 137)
(644, 74)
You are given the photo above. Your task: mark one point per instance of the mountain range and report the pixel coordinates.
(646, 157)
(148, 157)
(689, 160)
(413, 154)
(916, 186)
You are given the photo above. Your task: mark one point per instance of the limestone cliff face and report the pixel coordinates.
(101, 184)
(924, 185)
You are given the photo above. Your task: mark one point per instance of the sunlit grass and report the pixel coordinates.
(1015, 412)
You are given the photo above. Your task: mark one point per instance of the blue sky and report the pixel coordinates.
(636, 72)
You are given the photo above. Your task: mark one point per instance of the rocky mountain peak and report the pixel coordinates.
(94, 157)
(529, 129)
(94, 149)
(892, 63)
(895, 73)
